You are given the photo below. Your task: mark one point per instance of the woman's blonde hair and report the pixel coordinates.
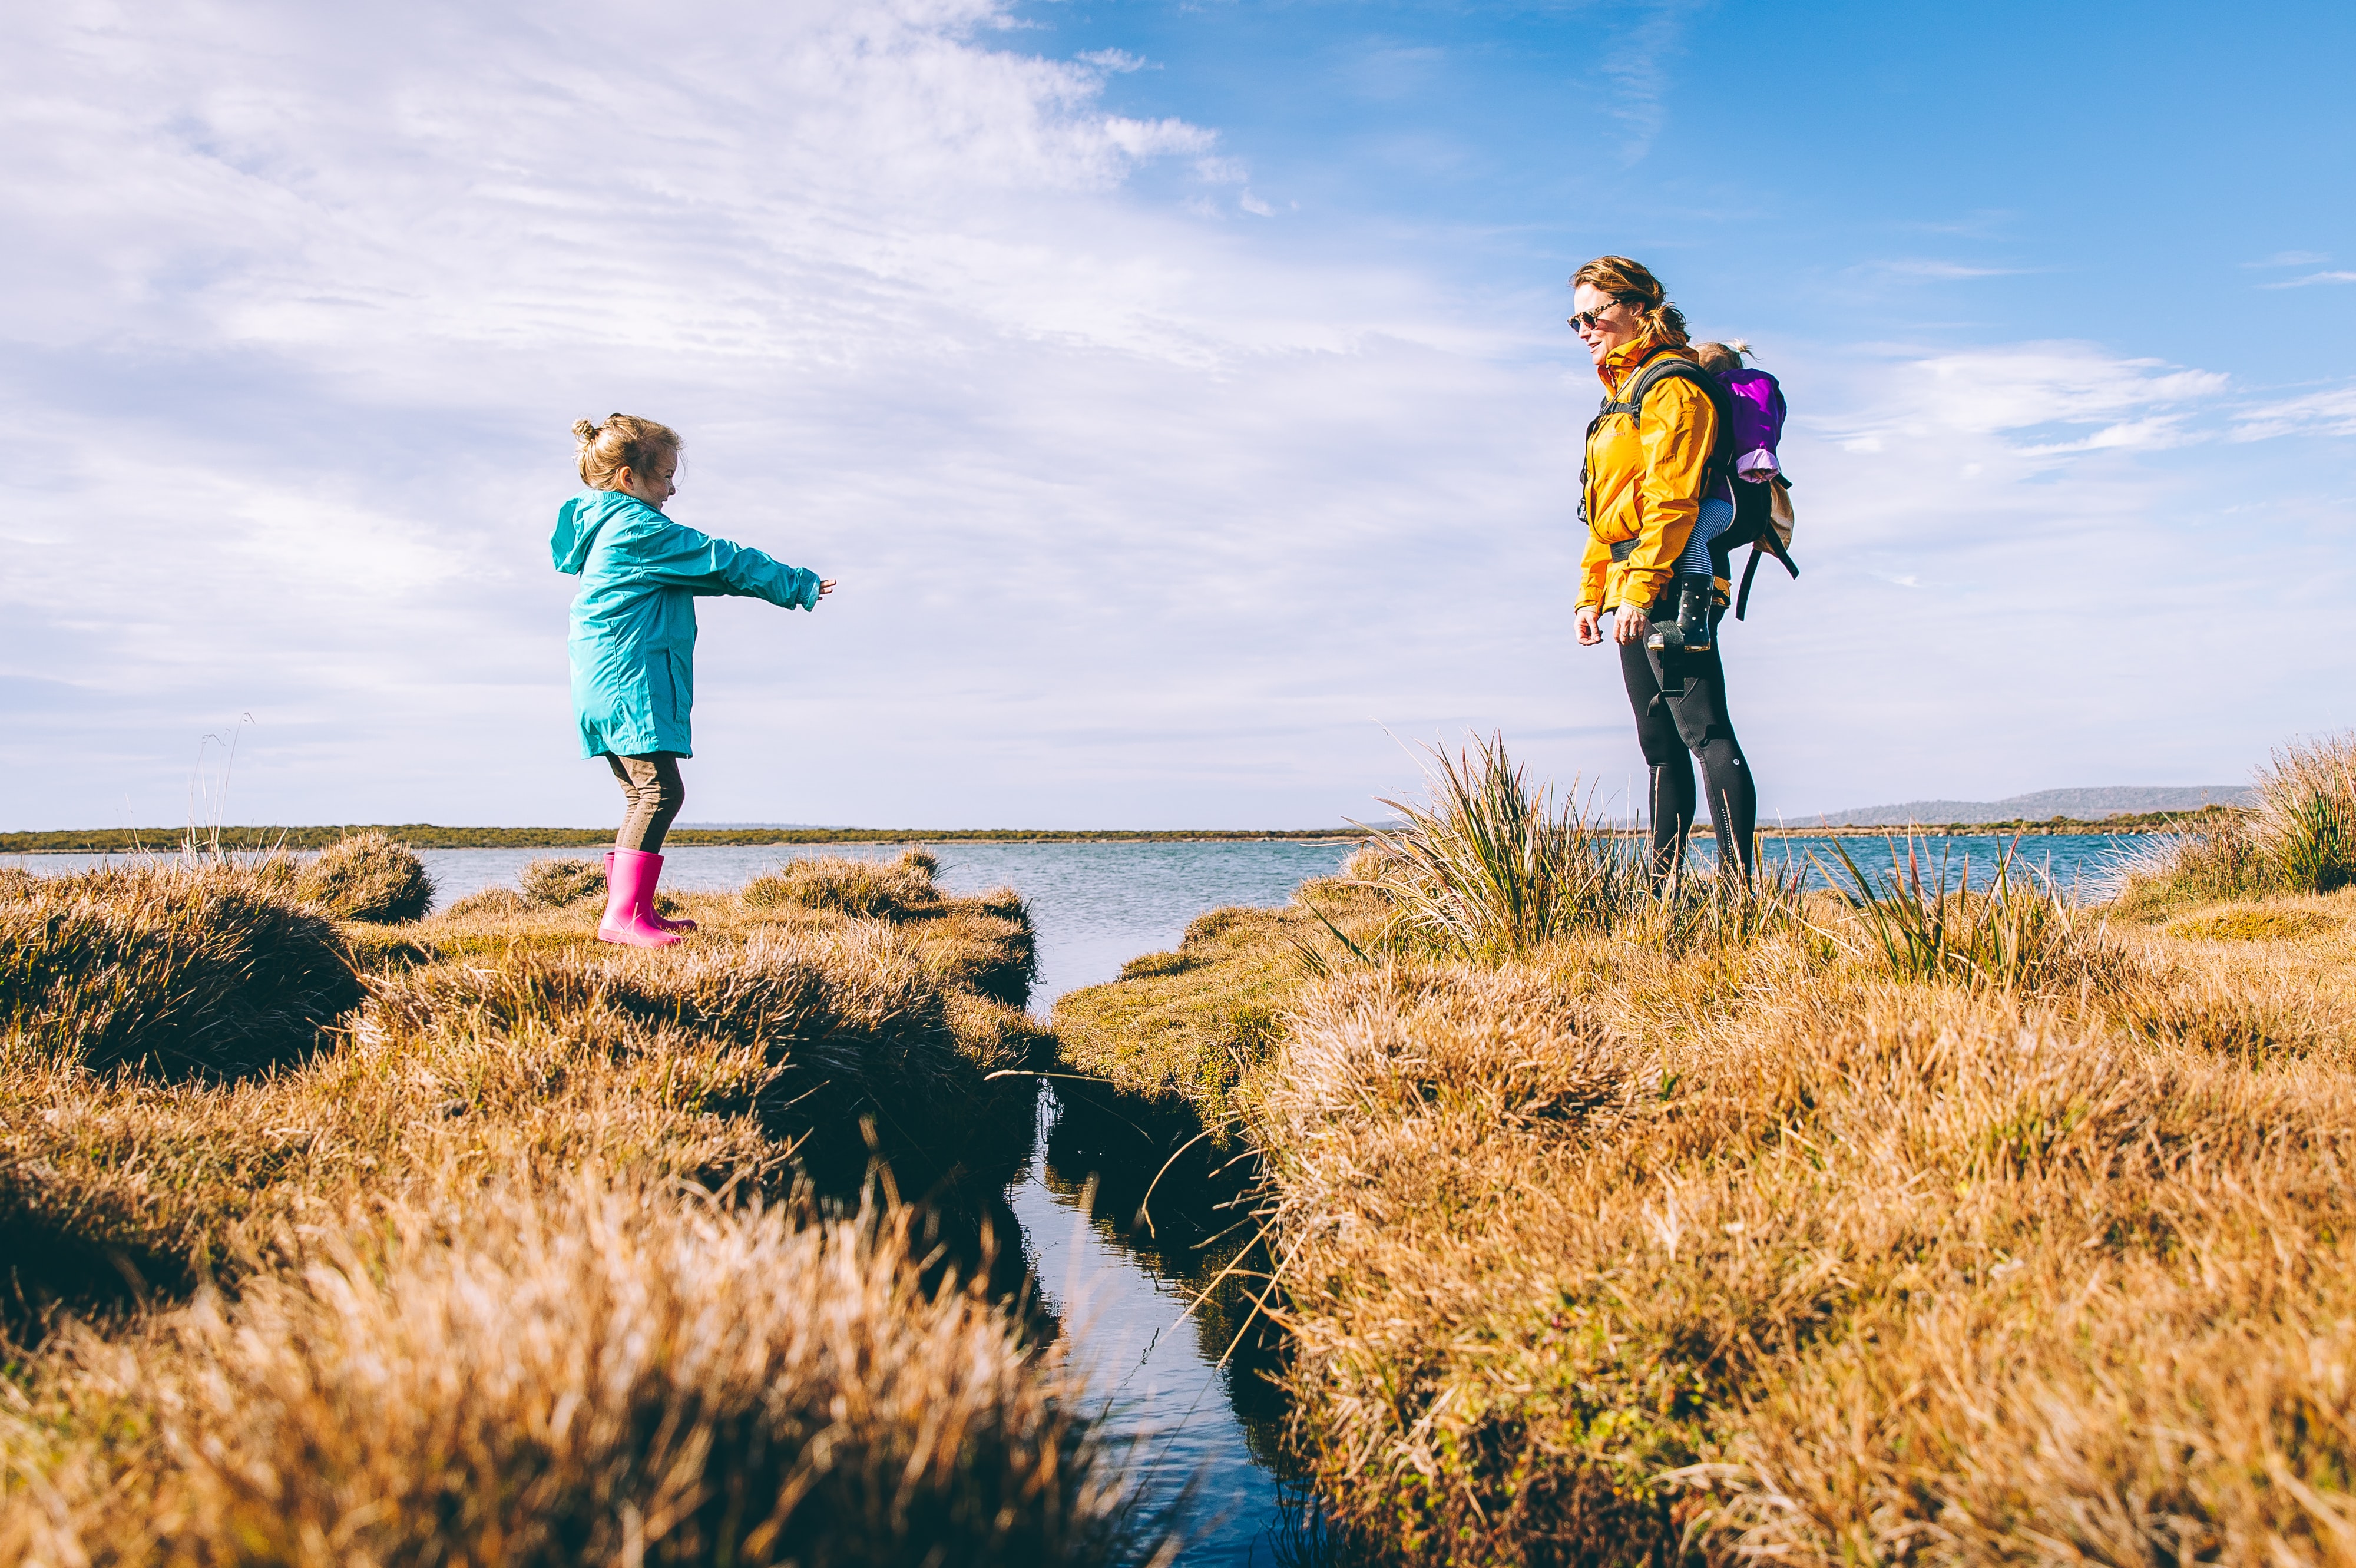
(623, 441)
(1629, 283)
(1723, 356)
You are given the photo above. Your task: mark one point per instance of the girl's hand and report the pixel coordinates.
(1588, 624)
(825, 587)
(1630, 625)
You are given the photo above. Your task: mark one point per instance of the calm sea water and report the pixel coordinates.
(1096, 906)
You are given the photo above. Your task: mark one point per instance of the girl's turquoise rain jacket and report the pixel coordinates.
(633, 637)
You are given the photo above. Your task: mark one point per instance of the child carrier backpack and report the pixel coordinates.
(1749, 406)
(1762, 496)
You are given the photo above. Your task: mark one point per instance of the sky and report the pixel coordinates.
(1180, 393)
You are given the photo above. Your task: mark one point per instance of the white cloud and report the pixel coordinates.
(1136, 523)
(2291, 258)
(2312, 278)
(1930, 267)
(2328, 413)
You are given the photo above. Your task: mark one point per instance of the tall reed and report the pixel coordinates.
(1490, 868)
(2019, 934)
(2299, 838)
(2306, 813)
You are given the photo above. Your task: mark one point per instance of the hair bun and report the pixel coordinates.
(585, 431)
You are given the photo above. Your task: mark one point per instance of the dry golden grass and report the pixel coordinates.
(366, 876)
(591, 1372)
(179, 969)
(1760, 1252)
(421, 1332)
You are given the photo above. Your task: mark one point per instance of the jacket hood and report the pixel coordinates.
(577, 522)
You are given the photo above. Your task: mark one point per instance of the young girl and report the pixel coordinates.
(633, 643)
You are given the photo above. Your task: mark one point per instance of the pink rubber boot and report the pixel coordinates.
(653, 914)
(629, 899)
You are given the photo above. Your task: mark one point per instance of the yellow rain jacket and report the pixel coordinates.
(1643, 481)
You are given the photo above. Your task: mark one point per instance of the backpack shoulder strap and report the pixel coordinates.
(1665, 368)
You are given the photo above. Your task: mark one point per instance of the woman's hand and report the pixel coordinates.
(1589, 625)
(825, 587)
(1630, 625)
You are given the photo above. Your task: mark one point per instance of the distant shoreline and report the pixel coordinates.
(425, 835)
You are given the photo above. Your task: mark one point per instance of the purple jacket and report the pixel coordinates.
(1758, 420)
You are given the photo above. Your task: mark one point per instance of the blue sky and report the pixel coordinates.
(1180, 392)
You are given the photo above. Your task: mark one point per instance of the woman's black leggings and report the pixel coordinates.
(1669, 726)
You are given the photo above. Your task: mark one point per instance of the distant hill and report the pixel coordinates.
(2079, 805)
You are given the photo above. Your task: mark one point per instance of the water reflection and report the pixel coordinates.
(1161, 1307)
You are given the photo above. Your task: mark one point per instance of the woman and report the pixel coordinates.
(1649, 471)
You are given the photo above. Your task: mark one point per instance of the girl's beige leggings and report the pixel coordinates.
(650, 784)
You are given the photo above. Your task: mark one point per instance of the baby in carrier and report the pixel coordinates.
(1758, 427)
(1737, 511)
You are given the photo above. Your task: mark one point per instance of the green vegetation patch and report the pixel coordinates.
(2258, 925)
(1186, 1026)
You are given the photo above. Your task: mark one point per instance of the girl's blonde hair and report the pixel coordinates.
(1723, 356)
(1629, 283)
(623, 441)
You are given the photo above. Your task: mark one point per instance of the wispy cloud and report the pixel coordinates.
(2291, 258)
(1932, 267)
(1639, 71)
(2328, 413)
(2312, 278)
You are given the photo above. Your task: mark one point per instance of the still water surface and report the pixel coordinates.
(1125, 1303)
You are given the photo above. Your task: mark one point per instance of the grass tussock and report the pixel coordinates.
(553, 881)
(1489, 868)
(367, 877)
(599, 1372)
(897, 890)
(1882, 1269)
(2299, 838)
(420, 1332)
(2019, 934)
(181, 969)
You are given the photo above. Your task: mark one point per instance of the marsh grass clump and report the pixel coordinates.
(2306, 825)
(181, 969)
(2020, 934)
(369, 877)
(898, 891)
(1864, 1265)
(490, 902)
(553, 881)
(1489, 868)
(602, 1372)
(2300, 837)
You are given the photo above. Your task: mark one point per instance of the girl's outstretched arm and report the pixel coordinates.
(682, 558)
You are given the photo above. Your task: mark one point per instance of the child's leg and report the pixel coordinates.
(1715, 517)
(651, 786)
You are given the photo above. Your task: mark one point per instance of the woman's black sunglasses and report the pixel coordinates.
(1586, 320)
